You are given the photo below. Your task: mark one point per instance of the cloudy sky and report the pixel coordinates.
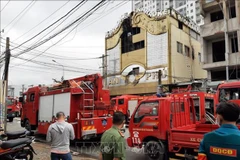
(21, 20)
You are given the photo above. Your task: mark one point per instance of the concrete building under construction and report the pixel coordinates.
(220, 42)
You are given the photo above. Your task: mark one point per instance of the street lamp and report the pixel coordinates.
(62, 67)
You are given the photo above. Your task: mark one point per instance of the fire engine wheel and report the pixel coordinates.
(10, 119)
(155, 150)
(27, 155)
(27, 125)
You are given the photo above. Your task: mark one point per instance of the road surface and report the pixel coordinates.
(89, 148)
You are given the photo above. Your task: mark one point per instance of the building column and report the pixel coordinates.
(209, 75)
(237, 5)
(203, 51)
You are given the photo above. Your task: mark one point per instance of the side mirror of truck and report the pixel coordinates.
(21, 99)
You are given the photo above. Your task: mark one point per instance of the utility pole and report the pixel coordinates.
(23, 89)
(104, 65)
(7, 61)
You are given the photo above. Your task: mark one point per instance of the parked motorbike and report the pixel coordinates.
(15, 135)
(17, 149)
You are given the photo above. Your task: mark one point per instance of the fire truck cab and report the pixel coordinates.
(13, 108)
(125, 104)
(83, 100)
(229, 91)
(167, 127)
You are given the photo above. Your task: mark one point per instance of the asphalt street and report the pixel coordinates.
(88, 148)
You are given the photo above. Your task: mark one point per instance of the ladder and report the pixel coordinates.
(88, 96)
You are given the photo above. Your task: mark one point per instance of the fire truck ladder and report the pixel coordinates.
(88, 109)
(87, 90)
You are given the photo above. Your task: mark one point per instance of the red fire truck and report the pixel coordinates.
(167, 127)
(125, 104)
(228, 91)
(83, 100)
(13, 108)
(173, 126)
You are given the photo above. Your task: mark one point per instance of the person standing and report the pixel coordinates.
(59, 134)
(223, 143)
(113, 145)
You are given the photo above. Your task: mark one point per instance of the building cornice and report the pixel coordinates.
(146, 19)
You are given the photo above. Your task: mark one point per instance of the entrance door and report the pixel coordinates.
(146, 119)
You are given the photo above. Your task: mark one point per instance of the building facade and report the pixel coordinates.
(188, 8)
(144, 51)
(220, 44)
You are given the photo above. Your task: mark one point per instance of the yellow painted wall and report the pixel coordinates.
(180, 63)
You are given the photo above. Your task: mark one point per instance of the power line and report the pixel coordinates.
(42, 21)
(5, 6)
(55, 56)
(109, 11)
(19, 14)
(44, 71)
(50, 64)
(57, 25)
(90, 12)
(79, 4)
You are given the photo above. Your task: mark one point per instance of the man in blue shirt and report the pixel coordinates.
(223, 143)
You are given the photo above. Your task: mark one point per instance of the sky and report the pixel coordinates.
(21, 20)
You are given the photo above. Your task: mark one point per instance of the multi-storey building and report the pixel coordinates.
(188, 8)
(220, 42)
(144, 51)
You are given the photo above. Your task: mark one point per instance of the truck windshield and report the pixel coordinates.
(9, 102)
(228, 94)
(146, 109)
(121, 101)
(113, 102)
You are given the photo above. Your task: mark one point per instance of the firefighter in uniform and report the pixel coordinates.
(223, 143)
(113, 145)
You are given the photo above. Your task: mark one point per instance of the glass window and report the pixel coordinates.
(113, 102)
(187, 51)
(228, 94)
(9, 102)
(121, 101)
(176, 107)
(179, 47)
(32, 96)
(24, 98)
(199, 57)
(146, 109)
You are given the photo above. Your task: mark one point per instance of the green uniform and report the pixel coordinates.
(113, 144)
